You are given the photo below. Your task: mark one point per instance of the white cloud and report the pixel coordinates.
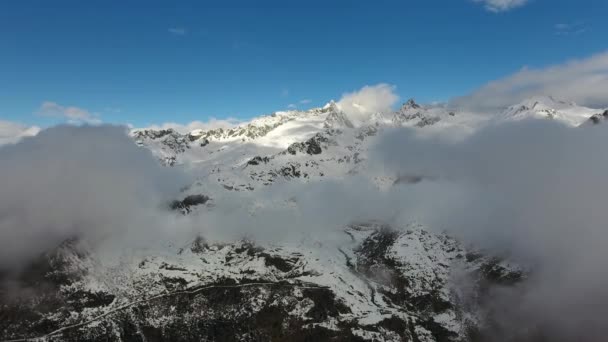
(87, 181)
(359, 105)
(570, 29)
(212, 123)
(583, 81)
(11, 132)
(295, 105)
(534, 190)
(178, 31)
(501, 5)
(70, 113)
(285, 92)
(113, 110)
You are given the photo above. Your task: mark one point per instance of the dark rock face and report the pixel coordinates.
(311, 146)
(193, 137)
(152, 134)
(291, 170)
(187, 203)
(404, 116)
(409, 179)
(427, 121)
(257, 160)
(411, 104)
(598, 118)
(28, 297)
(171, 142)
(169, 161)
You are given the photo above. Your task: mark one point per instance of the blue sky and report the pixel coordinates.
(149, 62)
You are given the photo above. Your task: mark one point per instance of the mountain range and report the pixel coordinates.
(380, 282)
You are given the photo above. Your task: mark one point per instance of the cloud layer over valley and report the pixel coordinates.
(533, 191)
(91, 182)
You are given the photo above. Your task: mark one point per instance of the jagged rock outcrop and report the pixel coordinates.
(412, 111)
(599, 118)
(336, 118)
(310, 146)
(185, 205)
(257, 160)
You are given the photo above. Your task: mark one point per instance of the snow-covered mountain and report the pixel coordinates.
(385, 283)
(320, 143)
(323, 143)
(549, 107)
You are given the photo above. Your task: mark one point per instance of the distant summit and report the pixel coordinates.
(548, 107)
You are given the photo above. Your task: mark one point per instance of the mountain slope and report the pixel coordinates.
(548, 107)
(387, 285)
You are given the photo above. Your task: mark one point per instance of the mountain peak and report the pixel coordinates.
(544, 101)
(410, 104)
(331, 106)
(546, 106)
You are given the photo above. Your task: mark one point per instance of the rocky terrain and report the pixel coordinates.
(388, 284)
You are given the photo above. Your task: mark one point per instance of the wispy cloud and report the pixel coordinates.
(360, 104)
(70, 113)
(212, 123)
(91, 182)
(501, 5)
(570, 29)
(11, 132)
(285, 92)
(542, 186)
(301, 102)
(113, 110)
(178, 31)
(584, 81)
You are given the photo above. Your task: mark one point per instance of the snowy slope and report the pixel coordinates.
(549, 107)
(386, 285)
(321, 143)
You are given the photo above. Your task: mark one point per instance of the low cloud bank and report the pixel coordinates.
(77, 181)
(70, 113)
(583, 81)
(11, 132)
(501, 5)
(360, 104)
(535, 191)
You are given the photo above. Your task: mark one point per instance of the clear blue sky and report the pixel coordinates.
(144, 62)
